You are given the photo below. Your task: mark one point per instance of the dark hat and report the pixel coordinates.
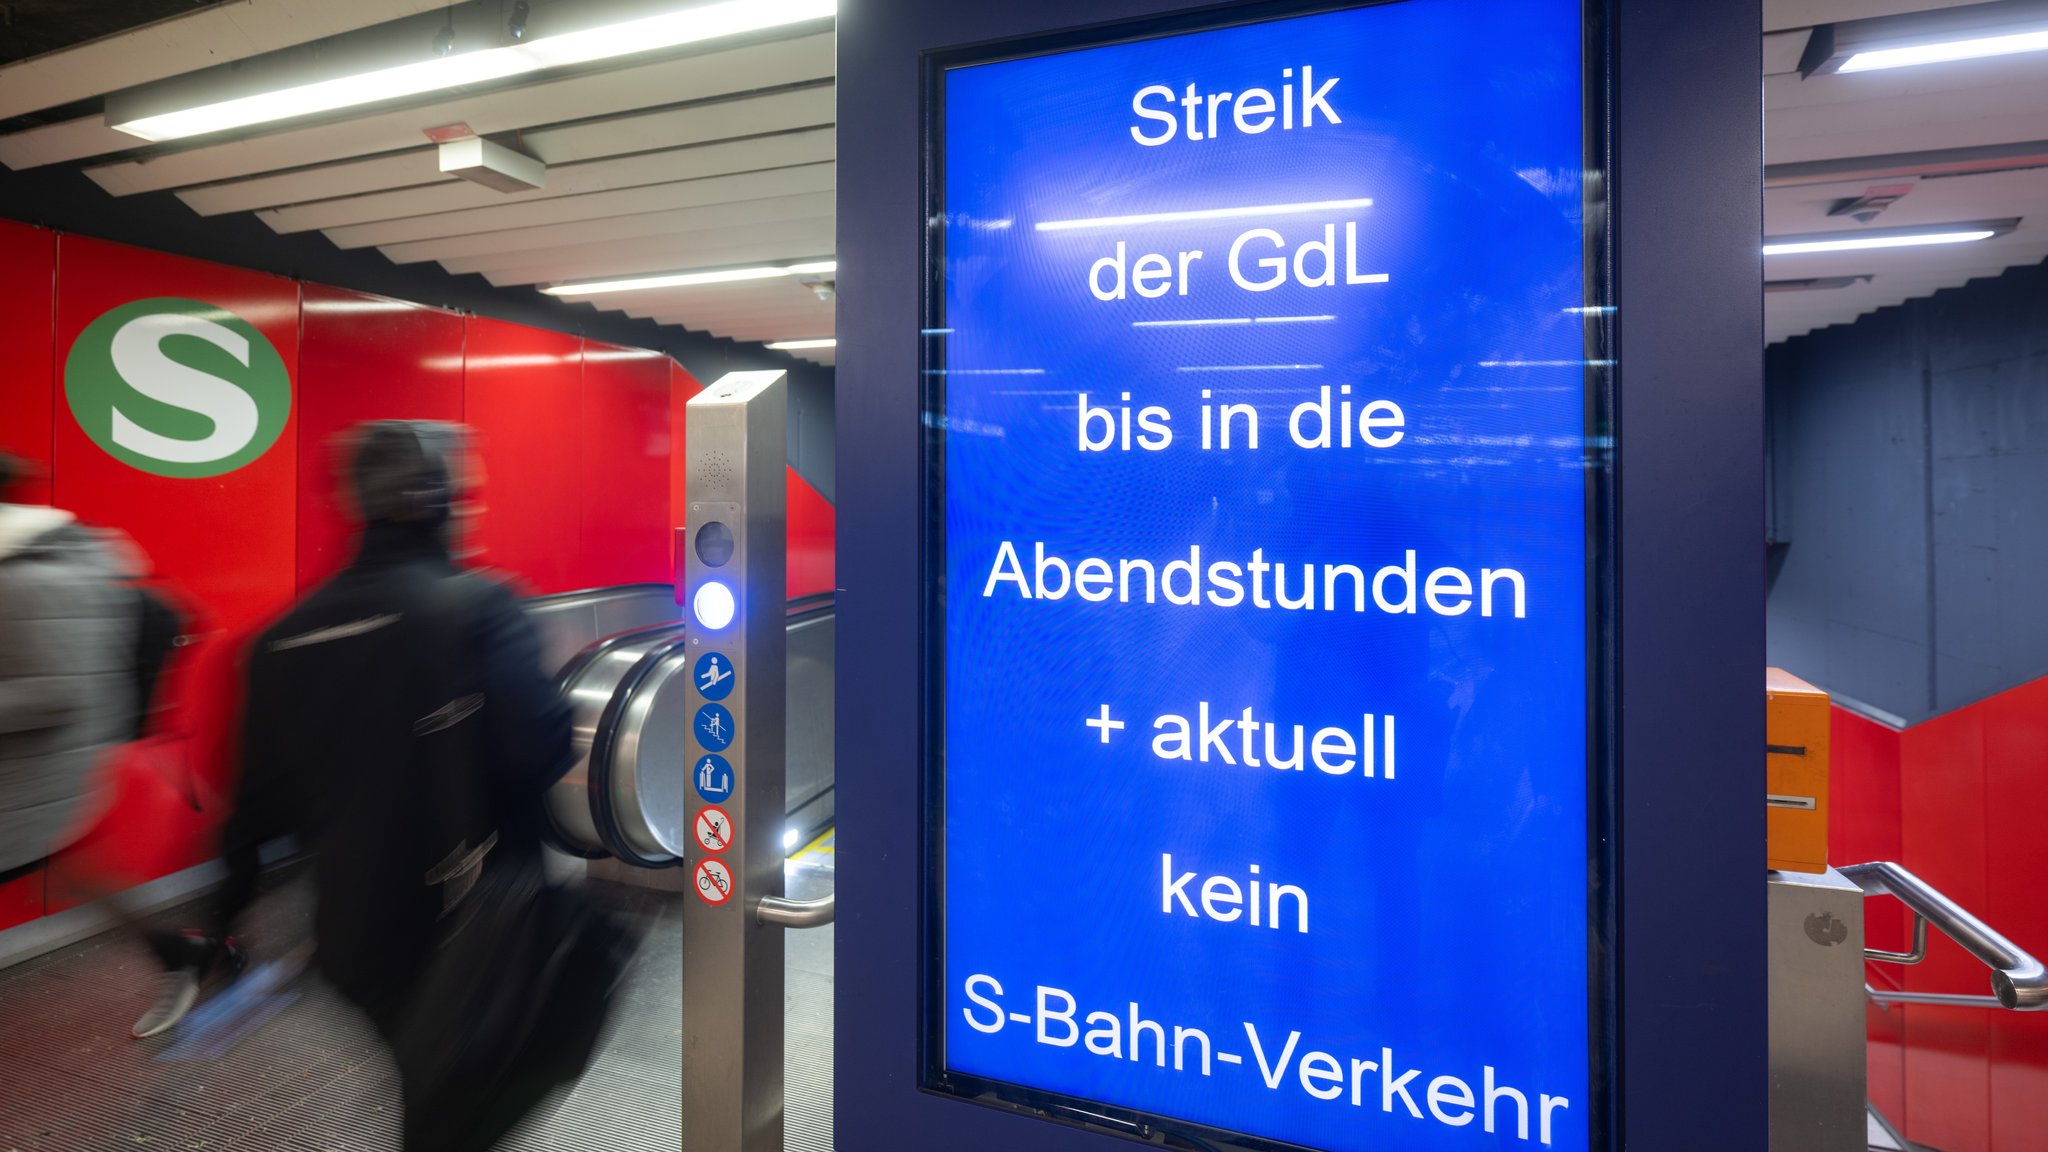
(406, 470)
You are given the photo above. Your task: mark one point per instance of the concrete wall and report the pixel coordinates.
(1909, 456)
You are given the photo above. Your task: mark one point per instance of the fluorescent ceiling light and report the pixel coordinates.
(1972, 32)
(1202, 214)
(686, 279)
(1951, 50)
(1888, 238)
(799, 345)
(652, 33)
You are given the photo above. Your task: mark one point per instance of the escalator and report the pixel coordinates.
(629, 698)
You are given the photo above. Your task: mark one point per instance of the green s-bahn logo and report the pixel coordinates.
(177, 387)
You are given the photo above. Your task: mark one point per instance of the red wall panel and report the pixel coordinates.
(522, 393)
(1863, 797)
(21, 899)
(2016, 856)
(28, 271)
(813, 535)
(626, 449)
(1951, 799)
(362, 358)
(1942, 840)
(682, 386)
(226, 542)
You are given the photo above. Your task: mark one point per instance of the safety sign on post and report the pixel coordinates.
(713, 828)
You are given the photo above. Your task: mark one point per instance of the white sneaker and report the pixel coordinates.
(180, 989)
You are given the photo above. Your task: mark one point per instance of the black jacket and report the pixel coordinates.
(396, 720)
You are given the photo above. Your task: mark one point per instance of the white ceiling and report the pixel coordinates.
(701, 158)
(725, 155)
(1894, 114)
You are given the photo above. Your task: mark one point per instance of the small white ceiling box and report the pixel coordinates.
(492, 165)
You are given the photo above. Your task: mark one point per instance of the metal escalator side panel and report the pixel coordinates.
(613, 784)
(649, 759)
(589, 685)
(810, 726)
(568, 622)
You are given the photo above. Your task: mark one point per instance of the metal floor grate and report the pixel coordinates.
(315, 1078)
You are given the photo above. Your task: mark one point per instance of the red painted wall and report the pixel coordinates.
(362, 358)
(626, 447)
(1953, 800)
(813, 531)
(28, 271)
(226, 543)
(522, 393)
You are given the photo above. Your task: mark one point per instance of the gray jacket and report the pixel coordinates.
(67, 643)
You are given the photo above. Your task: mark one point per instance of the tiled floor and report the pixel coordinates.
(314, 1077)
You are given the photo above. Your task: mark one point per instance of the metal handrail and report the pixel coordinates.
(795, 913)
(2018, 981)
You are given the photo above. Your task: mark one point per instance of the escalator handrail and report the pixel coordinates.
(602, 592)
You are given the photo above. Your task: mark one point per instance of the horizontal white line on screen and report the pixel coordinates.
(984, 371)
(1228, 321)
(1201, 214)
(1546, 363)
(1248, 368)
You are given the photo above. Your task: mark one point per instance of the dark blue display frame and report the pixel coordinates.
(1601, 581)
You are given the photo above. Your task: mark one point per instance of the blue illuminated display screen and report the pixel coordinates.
(1259, 372)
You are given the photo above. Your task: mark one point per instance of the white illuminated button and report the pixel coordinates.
(713, 604)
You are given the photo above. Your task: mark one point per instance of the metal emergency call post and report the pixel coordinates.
(733, 583)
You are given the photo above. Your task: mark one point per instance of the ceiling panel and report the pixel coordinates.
(594, 206)
(805, 317)
(57, 143)
(1806, 13)
(664, 300)
(422, 213)
(325, 181)
(809, 107)
(783, 242)
(1952, 199)
(562, 148)
(1782, 51)
(710, 74)
(809, 206)
(787, 320)
(216, 34)
(1905, 109)
(658, 253)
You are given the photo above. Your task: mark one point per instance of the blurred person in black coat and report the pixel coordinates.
(399, 722)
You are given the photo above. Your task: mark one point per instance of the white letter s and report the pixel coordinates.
(138, 356)
(1171, 121)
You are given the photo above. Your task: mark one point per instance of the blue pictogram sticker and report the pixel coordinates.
(713, 727)
(713, 778)
(713, 675)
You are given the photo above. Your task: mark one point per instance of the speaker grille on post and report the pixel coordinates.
(714, 469)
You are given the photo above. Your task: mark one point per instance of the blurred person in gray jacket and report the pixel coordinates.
(68, 623)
